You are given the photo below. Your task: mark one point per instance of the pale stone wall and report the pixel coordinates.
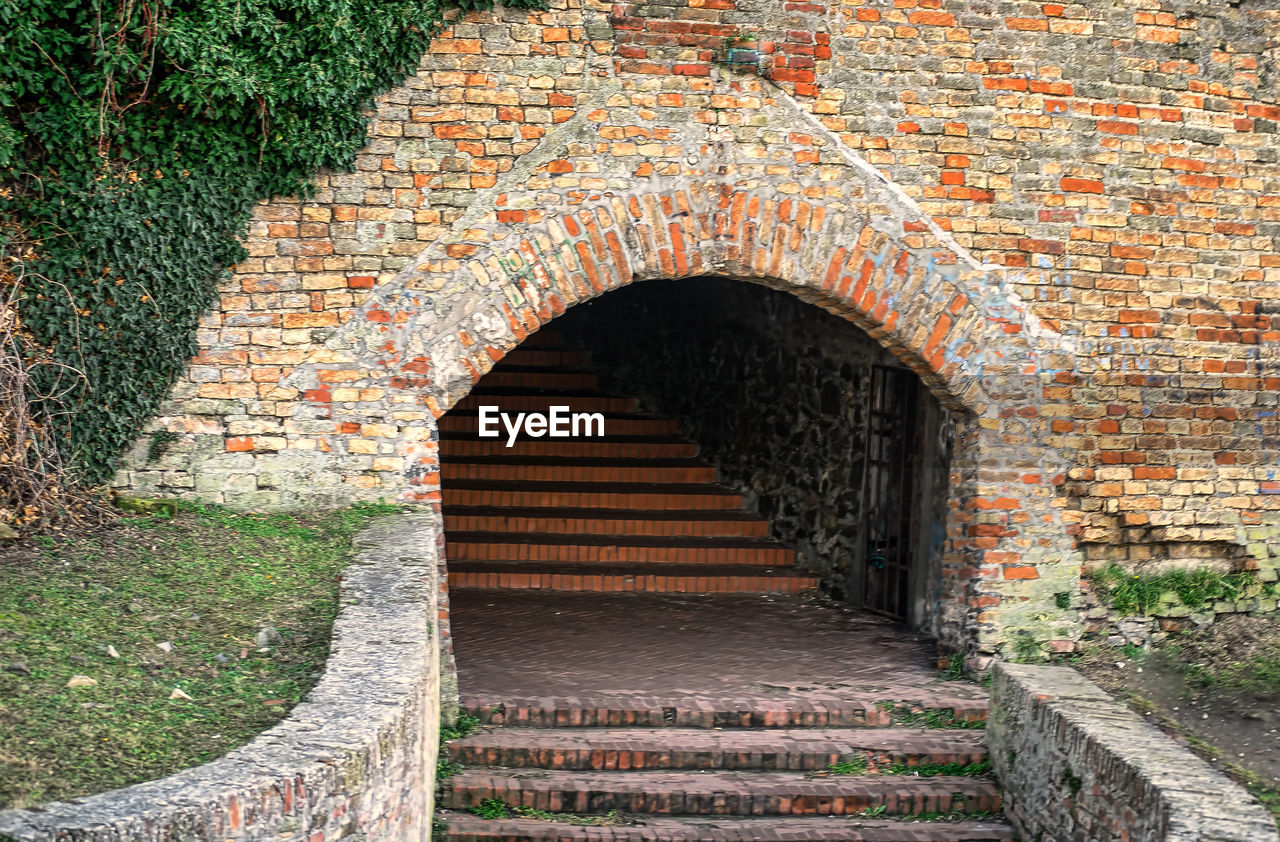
(1077, 766)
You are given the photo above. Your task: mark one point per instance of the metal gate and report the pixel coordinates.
(888, 492)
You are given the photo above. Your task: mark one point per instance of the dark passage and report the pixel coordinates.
(827, 435)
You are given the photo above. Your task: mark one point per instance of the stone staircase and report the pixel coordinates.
(732, 769)
(637, 510)
(634, 510)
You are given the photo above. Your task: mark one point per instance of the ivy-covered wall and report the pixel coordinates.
(135, 140)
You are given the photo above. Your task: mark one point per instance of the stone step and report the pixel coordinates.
(465, 827)
(548, 469)
(615, 424)
(566, 522)
(720, 793)
(462, 446)
(609, 578)
(577, 549)
(773, 750)
(509, 400)
(645, 496)
(539, 378)
(544, 338)
(532, 356)
(934, 706)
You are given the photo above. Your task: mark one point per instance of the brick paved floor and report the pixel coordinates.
(538, 643)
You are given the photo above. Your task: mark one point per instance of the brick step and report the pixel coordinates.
(772, 750)
(527, 357)
(549, 469)
(615, 424)
(538, 378)
(510, 400)
(569, 548)
(671, 496)
(720, 793)
(608, 578)
(574, 522)
(464, 827)
(463, 445)
(740, 711)
(545, 338)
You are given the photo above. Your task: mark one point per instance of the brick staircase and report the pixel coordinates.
(731, 769)
(637, 510)
(634, 510)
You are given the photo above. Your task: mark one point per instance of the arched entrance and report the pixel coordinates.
(787, 440)
(428, 337)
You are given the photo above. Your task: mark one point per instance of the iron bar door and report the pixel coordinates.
(888, 491)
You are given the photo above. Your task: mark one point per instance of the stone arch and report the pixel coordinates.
(916, 298)
(425, 339)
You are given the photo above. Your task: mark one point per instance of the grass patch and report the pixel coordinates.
(955, 668)
(496, 808)
(463, 725)
(613, 818)
(853, 766)
(203, 582)
(931, 770)
(1258, 675)
(934, 718)
(1240, 660)
(1136, 594)
(491, 808)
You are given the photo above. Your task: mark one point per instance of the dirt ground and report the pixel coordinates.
(1217, 691)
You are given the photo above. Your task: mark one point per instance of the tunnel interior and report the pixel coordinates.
(825, 434)
(830, 437)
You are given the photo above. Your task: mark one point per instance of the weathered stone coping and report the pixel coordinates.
(356, 759)
(1077, 765)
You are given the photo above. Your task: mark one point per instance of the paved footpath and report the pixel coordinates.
(572, 644)
(682, 718)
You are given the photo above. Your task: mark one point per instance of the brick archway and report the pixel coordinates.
(1007, 546)
(917, 298)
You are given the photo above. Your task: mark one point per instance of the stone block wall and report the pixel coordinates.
(1076, 766)
(1064, 217)
(354, 762)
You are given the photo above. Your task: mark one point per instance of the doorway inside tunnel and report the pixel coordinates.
(752, 442)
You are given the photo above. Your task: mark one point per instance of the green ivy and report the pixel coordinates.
(135, 138)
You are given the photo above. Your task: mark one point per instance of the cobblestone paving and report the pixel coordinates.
(567, 644)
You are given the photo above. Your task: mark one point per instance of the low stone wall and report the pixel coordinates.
(1077, 765)
(355, 760)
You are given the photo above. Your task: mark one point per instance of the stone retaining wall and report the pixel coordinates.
(355, 761)
(1077, 765)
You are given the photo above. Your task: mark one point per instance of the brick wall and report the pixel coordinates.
(1064, 217)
